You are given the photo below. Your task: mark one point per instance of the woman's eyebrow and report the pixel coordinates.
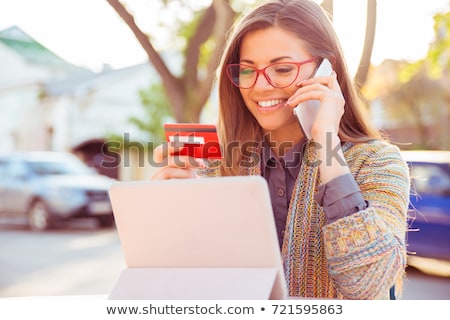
(271, 61)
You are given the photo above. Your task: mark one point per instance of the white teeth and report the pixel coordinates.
(269, 103)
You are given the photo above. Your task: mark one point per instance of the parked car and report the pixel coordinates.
(430, 203)
(47, 188)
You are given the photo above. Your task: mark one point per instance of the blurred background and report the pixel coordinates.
(95, 80)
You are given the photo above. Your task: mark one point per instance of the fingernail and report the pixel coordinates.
(177, 144)
(200, 163)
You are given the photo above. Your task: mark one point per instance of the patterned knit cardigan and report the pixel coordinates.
(359, 256)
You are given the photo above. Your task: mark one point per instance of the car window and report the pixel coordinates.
(16, 170)
(3, 165)
(43, 168)
(429, 178)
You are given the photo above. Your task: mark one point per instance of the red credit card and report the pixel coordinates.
(200, 140)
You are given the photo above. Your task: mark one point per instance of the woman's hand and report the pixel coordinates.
(326, 89)
(172, 166)
(325, 128)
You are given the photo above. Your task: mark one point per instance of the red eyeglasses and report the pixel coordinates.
(279, 74)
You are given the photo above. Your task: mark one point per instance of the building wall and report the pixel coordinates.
(48, 104)
(16, 72)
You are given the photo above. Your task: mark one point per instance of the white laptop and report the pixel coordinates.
(207, 238)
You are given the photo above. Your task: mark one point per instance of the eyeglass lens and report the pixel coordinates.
(278, 75)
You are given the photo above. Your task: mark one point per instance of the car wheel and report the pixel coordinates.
(105, 222)
(39, 216)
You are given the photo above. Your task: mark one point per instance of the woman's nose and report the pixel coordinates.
(262, 81)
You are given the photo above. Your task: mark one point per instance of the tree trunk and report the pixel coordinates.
(364, 64)
(187, 94)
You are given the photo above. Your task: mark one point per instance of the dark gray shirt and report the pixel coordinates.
(339, 197)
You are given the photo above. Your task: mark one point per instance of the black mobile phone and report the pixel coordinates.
(306, 111)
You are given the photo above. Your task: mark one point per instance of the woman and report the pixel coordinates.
(340, 200)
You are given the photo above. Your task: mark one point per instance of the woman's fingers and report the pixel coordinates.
(317, 88)
(330, 81)
(171, 165)
(173, 173)
(182, 162)
(165, 149)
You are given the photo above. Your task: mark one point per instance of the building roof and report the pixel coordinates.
(31, 50)
(83, 83)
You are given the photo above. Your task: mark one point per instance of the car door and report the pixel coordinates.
(16, 187)
(430, 213)
(3, 164)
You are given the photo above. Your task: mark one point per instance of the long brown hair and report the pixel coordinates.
(237, 126)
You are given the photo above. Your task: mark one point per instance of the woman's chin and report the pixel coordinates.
(289, 129)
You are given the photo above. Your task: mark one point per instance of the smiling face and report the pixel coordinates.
(267, 103)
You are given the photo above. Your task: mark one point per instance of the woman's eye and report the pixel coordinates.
(246, 72)
(283, 69)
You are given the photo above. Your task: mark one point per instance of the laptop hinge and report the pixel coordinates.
(196, 284)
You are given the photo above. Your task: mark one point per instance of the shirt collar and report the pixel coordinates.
(291, 160)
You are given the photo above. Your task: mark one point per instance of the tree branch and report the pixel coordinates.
(364, 64)
(143, 39)
(224, 20)
(201, 35)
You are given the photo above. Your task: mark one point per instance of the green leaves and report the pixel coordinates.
(156, 112)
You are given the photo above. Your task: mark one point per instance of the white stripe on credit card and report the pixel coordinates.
(187, 139)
